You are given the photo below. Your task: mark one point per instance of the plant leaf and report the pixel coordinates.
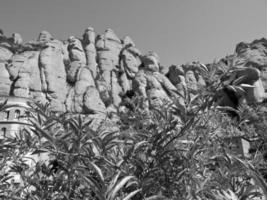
(129, 196)
(119, 186)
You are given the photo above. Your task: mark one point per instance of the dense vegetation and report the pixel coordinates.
(172, 153)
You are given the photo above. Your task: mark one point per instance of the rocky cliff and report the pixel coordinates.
(92, 74)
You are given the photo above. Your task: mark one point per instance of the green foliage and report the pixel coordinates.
(171, 153)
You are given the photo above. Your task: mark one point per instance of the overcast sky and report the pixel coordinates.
(178, 30)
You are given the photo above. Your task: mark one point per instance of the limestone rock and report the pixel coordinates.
(112, 42)
(76, 52)
(65, 52)
(44, 36)
(76, 94)
(253, 54)
(92, 101)
(187, 78)
(127, 41)
(151, 61)
(154, 87)
(36, 91)
(5, 83)
(53, 74)
(108, 48)
(130, 60)
(90, 50)
(24, 71)
(89, 35)
(83, 97)
(191, 81)
(73, 70)
(250, 60)
(90, 75)
(17, 39)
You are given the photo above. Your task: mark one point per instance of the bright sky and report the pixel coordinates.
(178, 30)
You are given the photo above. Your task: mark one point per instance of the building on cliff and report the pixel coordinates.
(13, 115)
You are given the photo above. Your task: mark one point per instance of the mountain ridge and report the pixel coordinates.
(90, 75)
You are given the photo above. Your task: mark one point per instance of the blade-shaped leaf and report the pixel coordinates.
(113, 182)
(99, 171)
(129, 196)
(95, 189)
(119, 186)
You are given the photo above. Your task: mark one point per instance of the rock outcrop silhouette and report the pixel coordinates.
(91, 74)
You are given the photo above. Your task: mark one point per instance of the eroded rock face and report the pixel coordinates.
(154, 87)
(253, 54)
(5, 82)
(53, 74)
(17, 39)
(108, 48)
(90, 50)
(130, 61)
(76, 52)
(24, 71)
(44, 36)
(187, 79)
(83, 97)
(89, 75)
(248, 64)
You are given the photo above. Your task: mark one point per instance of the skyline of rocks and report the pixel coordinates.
(91, 74)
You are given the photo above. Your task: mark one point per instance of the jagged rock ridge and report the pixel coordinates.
(90, 75)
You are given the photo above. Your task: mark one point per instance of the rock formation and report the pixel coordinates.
(108, 47)
(130, 60)
(25, 74)
(53, 72)
(76, 52)
(187, 79)
(247, 67)
(154, 87)
(90, 50)
(83, 97)
(5, 56)
(90, 75)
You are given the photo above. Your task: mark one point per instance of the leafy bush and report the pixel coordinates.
(173, 153)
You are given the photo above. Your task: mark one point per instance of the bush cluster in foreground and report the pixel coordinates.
(169, 154)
